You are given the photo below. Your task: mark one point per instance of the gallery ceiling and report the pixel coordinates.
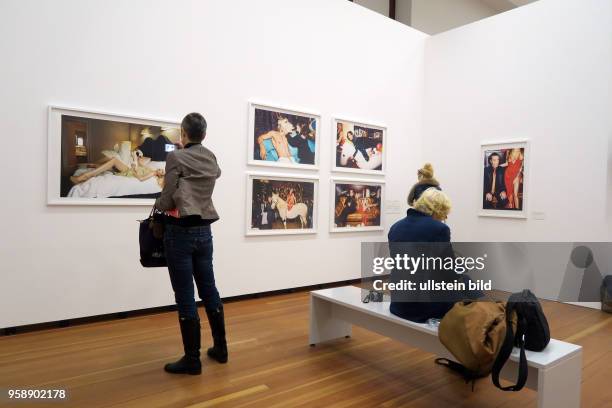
(505, 5)
(435, 16)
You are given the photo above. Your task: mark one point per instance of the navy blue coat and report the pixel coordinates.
(419, 227)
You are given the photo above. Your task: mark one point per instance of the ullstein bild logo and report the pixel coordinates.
(430, 285)
(412, 264)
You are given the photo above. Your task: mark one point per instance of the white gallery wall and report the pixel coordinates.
(163, 59)
(541, 72)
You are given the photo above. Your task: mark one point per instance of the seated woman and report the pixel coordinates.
(137, 168)
(422, 233)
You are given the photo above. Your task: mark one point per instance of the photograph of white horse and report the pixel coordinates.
(298, 210)
(279, 204)
(359, 147)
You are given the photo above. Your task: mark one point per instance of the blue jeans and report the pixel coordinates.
(189, 253)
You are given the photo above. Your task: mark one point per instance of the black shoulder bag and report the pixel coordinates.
(152, 254)
(532, 333)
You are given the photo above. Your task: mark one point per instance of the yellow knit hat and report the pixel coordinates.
(427, 171)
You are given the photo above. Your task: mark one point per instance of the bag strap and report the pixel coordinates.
(459, 368)
(156, 215)
(506, 350)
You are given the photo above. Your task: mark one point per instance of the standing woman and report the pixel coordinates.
(186, 199)
(512, 175)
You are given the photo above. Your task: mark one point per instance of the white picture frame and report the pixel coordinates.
(334, 181)
(486, 149)
(55, 159)
(251, 135)
(369, 125)
(279, 177)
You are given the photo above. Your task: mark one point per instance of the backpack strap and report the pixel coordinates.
(506, 350)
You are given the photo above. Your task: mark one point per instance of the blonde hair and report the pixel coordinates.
(426, 172)
(433, 202)
(515, 154)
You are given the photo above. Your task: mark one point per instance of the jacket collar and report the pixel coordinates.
(413, 212)
(188, 145)
(428, 182)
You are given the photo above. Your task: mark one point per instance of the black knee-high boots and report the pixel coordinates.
(190, 363)
(216, 320)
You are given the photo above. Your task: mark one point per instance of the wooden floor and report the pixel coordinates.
(119, 364)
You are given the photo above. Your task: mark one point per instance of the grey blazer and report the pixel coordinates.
(189, 182)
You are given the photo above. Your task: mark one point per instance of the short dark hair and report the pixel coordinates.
(194, 125)
(491, 156)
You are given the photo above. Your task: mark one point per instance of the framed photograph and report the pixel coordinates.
(280, 137)
(504, 177)
(97, 158)
(357, 205)
(358, 147)
(279, 204)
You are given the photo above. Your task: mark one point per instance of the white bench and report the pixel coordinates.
(555, 373)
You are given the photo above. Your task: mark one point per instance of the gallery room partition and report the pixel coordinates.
(161, 61)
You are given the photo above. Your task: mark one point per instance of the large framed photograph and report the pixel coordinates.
(280, 204)
(280, 137)
(504, 177)
(358, 147)
(357, 205)
(97, 158)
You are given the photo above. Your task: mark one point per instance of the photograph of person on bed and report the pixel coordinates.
(136, 168)
(110, 159)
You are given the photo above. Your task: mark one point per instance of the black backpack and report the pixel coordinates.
(606, 294)
(532, 333)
